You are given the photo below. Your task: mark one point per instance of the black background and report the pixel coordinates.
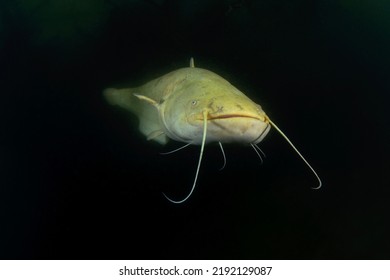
(78, 181)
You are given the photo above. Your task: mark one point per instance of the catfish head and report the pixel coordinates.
(230, 115)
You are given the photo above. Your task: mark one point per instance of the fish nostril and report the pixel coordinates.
(239, 107)
(219, 109)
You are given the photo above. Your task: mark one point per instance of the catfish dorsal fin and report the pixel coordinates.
(192, 63)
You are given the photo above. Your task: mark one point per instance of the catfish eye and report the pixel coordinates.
(194, 103)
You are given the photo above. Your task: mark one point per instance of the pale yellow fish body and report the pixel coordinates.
(171, 107)
(196, 106)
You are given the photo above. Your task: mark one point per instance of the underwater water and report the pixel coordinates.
(79, 181)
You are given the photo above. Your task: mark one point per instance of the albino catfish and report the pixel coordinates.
(196, 106)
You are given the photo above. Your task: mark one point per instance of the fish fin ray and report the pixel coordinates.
(154, 134)
(147, 99)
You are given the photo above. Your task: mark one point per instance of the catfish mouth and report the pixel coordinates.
(211, 117)
(230, 116)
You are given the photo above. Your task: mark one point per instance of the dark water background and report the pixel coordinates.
(77, 180)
